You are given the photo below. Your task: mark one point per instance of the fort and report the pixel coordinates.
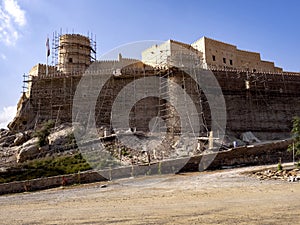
(259, 96)
(180, 107)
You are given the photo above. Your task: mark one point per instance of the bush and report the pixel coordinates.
(43, 133)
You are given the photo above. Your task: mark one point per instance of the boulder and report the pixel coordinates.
(21, 138)
(61, 137)
(28, 150)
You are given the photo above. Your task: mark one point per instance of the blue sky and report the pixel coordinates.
(270, 27)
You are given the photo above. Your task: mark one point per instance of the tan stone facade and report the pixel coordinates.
(171, 52)
(222, 55)
(210, 53)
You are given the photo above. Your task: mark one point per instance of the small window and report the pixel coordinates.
(214, 58)
(224, 60)
(230, 62)
(70, 60)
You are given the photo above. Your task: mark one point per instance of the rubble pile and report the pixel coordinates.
(285, 175)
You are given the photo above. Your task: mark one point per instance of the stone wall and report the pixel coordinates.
(50, 182)
(263, 103)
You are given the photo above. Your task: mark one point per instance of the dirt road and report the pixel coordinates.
(219, 197)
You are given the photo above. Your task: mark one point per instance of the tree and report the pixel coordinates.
(296, 135)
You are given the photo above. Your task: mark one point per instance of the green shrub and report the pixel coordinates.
(71, 139)
(43, 133)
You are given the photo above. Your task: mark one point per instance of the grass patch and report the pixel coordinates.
(46, 167)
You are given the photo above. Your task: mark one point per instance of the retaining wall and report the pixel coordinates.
(247, 155)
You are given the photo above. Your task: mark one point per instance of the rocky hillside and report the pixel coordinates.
(45, 141)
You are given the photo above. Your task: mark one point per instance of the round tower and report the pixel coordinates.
(74, 53)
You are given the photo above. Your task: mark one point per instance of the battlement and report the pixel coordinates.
(75, 39)
(41, 70)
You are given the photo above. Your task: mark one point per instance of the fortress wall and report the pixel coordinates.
(141, 113)
(265, 106)
(52, 99)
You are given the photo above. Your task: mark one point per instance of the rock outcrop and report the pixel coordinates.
(62, 135)
(28, 150)
(21, 138)
(24, 119)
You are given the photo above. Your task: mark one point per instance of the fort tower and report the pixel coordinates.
(74, 53)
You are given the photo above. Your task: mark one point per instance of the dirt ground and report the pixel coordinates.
(219, 197)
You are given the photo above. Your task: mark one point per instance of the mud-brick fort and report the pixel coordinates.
(259, 96)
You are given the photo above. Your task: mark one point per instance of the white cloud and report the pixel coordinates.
(15, 11)
(12, 19)
(6, 115)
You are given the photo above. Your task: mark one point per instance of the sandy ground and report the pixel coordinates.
(219, 197)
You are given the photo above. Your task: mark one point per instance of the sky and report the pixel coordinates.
(271, 27)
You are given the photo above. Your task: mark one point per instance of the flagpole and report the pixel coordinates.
(47, 66)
